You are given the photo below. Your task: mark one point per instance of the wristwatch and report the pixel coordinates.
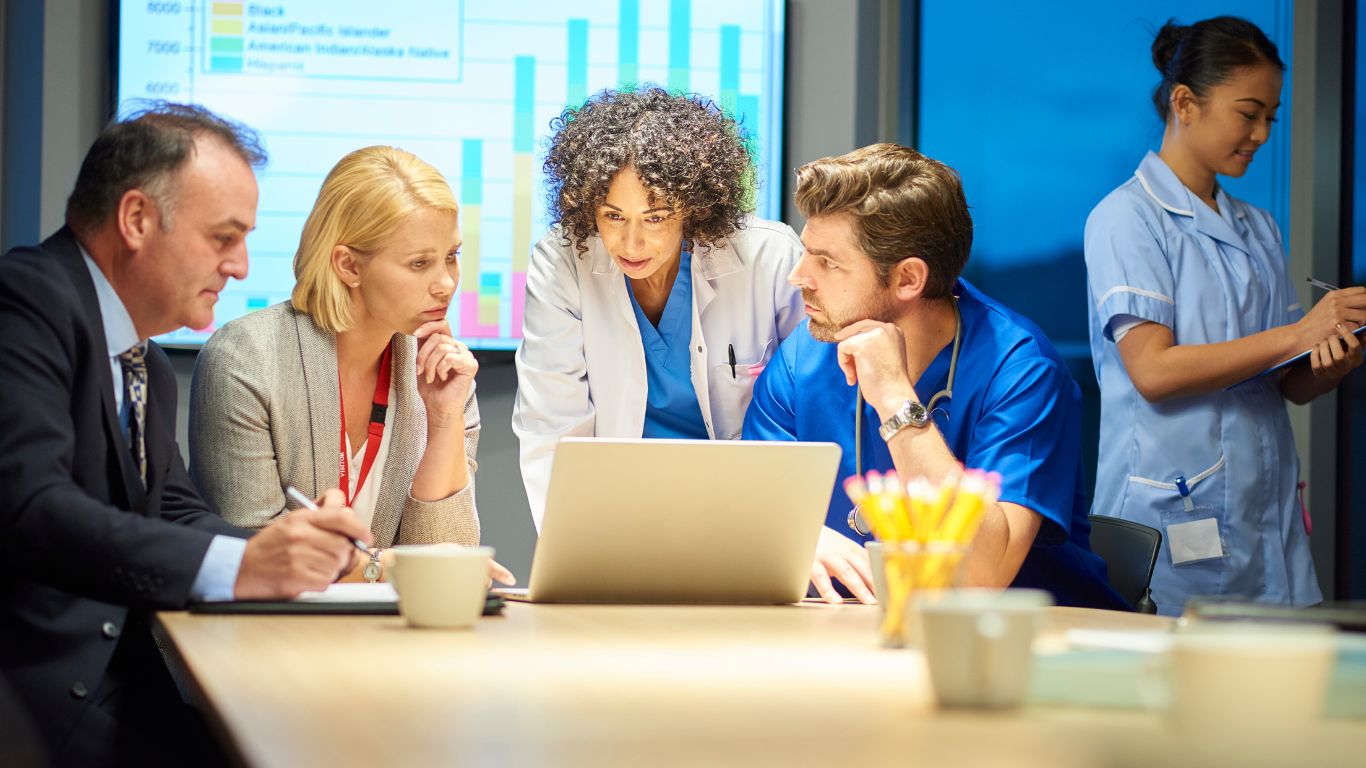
(372, 569)
(911, 414)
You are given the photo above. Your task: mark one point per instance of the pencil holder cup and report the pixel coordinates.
(903, 571)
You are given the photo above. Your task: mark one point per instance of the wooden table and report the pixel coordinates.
(631, 685)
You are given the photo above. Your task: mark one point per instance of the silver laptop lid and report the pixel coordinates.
(682, 521)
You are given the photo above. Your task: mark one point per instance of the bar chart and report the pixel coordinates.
(469, 86)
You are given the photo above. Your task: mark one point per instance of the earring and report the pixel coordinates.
(356, 284)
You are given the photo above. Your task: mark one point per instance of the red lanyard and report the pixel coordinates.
(375, 432)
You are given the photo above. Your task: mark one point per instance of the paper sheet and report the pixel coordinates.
(379, 592)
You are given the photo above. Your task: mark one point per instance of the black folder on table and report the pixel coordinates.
(342, 599)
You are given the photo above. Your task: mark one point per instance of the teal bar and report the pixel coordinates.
(680, 37)
(225, 64)
(577, 86)
(257, 302)
(491, 284)
(524, 104)
(730, 67)
(749, 114)
(628, 43)
(472, 172)
(225, 44)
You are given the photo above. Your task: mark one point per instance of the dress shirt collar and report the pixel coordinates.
(119, 332)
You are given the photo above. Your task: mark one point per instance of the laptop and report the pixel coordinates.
(681, 521)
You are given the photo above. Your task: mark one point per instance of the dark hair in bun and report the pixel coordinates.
(1205, 54)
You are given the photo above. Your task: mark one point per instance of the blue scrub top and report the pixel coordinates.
(671, 409)
(1156, 252)
(1015, 410)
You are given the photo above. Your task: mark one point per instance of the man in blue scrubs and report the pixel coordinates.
(887, 234)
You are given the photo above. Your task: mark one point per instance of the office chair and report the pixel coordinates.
(1130, 551)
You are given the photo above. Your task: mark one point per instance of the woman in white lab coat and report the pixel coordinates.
(656, 297)
(1190, 295)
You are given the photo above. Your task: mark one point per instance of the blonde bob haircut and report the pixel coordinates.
(363, 201)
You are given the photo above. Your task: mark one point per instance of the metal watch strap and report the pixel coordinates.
(910, 414)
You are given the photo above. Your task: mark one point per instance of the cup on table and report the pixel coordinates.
(979, 644)
(903, 570)
(1249, 689)
(879, 569)
(440, 585)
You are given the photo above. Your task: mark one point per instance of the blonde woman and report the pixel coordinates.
(356, 383)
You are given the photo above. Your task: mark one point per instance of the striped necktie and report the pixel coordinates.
(134, 363)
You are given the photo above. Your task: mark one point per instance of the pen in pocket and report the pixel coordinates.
(1185, 492)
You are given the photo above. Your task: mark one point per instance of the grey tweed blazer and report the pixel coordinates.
(264, 416)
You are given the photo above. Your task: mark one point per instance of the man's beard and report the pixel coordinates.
(874, 308)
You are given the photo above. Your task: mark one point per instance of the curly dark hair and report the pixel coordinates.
(688, 153)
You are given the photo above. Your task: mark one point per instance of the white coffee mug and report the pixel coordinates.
(440, 585)
(1249, 689)
(979, 644)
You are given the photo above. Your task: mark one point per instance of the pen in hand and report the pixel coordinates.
(297, 496)
(1320, 284)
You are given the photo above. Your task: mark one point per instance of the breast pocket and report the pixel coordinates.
(732, 387)
(1193, 521)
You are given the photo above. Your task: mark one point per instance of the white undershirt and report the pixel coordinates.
(364, 503)
(1120, 325)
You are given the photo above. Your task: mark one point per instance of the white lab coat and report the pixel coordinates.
(581, 366)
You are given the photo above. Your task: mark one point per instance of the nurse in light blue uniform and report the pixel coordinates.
(1190, 295)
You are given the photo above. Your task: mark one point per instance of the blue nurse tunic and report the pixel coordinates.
(1155, 252)
(1015, 410)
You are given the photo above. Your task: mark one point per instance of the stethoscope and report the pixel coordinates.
(855, 520)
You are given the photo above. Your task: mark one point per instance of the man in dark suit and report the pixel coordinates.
(99, 524)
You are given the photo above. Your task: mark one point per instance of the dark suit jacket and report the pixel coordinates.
(86, 551)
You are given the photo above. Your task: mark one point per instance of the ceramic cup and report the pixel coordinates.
(440, 585)
(979, 644)
(1249, 689)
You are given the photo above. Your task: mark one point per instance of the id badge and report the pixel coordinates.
(1195, 541)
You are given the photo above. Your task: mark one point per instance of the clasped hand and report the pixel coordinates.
(445, 372)
(873, 356)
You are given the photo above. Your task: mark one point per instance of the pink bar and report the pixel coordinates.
(518, 301)
(470, 327)
(469, 314)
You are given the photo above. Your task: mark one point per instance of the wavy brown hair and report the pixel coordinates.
(902, 204)
(689, 154)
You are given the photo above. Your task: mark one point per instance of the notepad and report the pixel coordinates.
(1284, 363)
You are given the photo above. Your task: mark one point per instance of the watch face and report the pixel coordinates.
(917, 413)
(370, 571)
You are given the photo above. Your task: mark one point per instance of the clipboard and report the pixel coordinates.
(1286, 363)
